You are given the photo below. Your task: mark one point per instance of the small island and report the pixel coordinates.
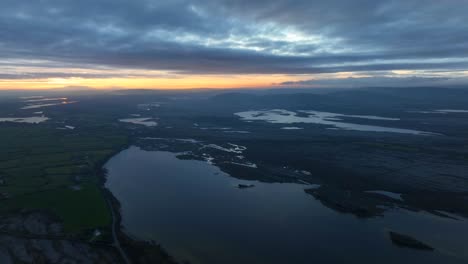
(409, 242)
(245, 186)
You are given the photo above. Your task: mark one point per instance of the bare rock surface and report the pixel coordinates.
(34, 223)
(37, 237)
(53, 251)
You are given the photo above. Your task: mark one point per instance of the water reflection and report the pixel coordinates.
(198, 213)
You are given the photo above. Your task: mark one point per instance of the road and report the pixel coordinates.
(116, 242)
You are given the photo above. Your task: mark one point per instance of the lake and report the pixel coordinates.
(198, 213)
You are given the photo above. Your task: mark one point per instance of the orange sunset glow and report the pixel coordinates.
(183, 82)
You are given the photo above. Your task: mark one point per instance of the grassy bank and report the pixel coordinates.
(56, 170)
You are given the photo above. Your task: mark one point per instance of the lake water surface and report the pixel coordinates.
(196, 212)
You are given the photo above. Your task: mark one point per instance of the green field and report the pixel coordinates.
(57, 171)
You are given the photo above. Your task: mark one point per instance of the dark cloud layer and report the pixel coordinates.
(381, 81)
(238, 36)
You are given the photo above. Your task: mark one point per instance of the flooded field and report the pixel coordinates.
(144, 121)
(280, 116)
(31, 120)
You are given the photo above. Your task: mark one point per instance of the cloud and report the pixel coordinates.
(71, 74)
(237, 36)
(379, 81)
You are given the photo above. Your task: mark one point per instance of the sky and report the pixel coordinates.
(232, 43)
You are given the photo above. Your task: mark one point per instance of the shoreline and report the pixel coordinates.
(131, 250)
